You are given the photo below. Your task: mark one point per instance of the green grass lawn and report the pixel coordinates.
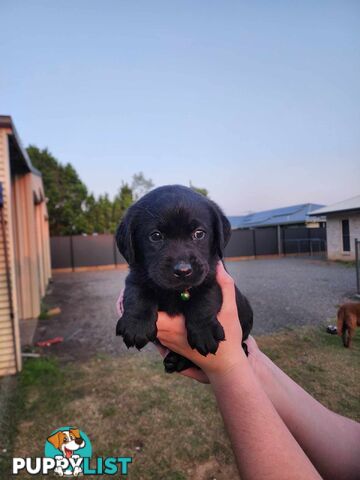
(168, 424)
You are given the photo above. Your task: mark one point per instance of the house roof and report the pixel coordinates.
(344, 206)
(279, 216)
(20, 160)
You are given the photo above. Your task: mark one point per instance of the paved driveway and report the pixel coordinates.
(283, 292)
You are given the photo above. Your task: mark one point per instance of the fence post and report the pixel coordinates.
(114, 251)
(357, 266)
(279, 240)
(72, 253)
(283, 240)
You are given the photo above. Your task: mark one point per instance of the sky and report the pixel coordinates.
(256, 101)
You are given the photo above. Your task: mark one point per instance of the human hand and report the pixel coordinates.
(193, 372)
(172, 333)
(197, 373)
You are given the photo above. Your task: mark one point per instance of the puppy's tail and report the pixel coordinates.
(342, 327)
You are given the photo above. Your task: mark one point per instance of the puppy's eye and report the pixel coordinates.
(198, 235)
(156, 236)
(65, 440)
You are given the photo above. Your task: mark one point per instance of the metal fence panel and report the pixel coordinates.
(60, 252)
(317, 233)
(241, 244)
(266, 242)
(93, 250)
(303, 240)
(119, 258)
(96, 250)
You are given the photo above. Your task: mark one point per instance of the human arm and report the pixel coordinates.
(331, 441)
(263, 446)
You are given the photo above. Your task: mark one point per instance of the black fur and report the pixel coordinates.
(176, 212)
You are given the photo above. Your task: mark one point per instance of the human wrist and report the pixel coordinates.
(273, 381)
(227, 370)
(259, 363)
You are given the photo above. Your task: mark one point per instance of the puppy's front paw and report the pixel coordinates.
(59, 471)
(206, 339)
(77, 471)
(136, 333)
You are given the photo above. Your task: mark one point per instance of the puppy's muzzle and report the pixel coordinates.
(182, 270)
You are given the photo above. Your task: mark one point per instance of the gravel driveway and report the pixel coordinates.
(283, 292)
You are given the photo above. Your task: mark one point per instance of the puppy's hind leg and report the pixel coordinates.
(351, 333)
(341, 325)
(351, 328)
(173, 362)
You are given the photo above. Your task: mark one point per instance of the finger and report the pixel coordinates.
(251, 343)
(196, 374)
(227, 286)
(165, 323)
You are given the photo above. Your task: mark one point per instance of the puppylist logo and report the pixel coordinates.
(68, 452)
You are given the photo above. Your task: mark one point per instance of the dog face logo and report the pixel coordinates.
(67, 453)
(67, 441)
(68, 446)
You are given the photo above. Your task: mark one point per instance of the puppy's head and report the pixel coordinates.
(175, 235)
(67, 441)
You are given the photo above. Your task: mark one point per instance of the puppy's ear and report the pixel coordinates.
(56, 439)
(222, 229)
(75, 432)
(124, 238)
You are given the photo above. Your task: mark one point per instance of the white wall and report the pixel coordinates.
(334, 235)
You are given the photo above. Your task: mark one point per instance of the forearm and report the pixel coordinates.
(330, 441)
(263, 446)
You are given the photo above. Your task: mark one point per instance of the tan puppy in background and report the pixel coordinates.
(348, 318)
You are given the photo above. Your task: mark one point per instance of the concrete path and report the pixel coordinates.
(284, 292)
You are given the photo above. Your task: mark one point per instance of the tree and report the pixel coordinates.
(66, 193)
(72, 210)
(102, 214)
(203, 191)
(122, 201)
(140, 185)
(90, 213)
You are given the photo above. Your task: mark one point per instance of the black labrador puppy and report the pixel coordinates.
(172, 239)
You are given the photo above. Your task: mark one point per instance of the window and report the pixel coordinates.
(345, 235)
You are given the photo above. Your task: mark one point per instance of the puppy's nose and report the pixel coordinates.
(79, 441)
(182, 269)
